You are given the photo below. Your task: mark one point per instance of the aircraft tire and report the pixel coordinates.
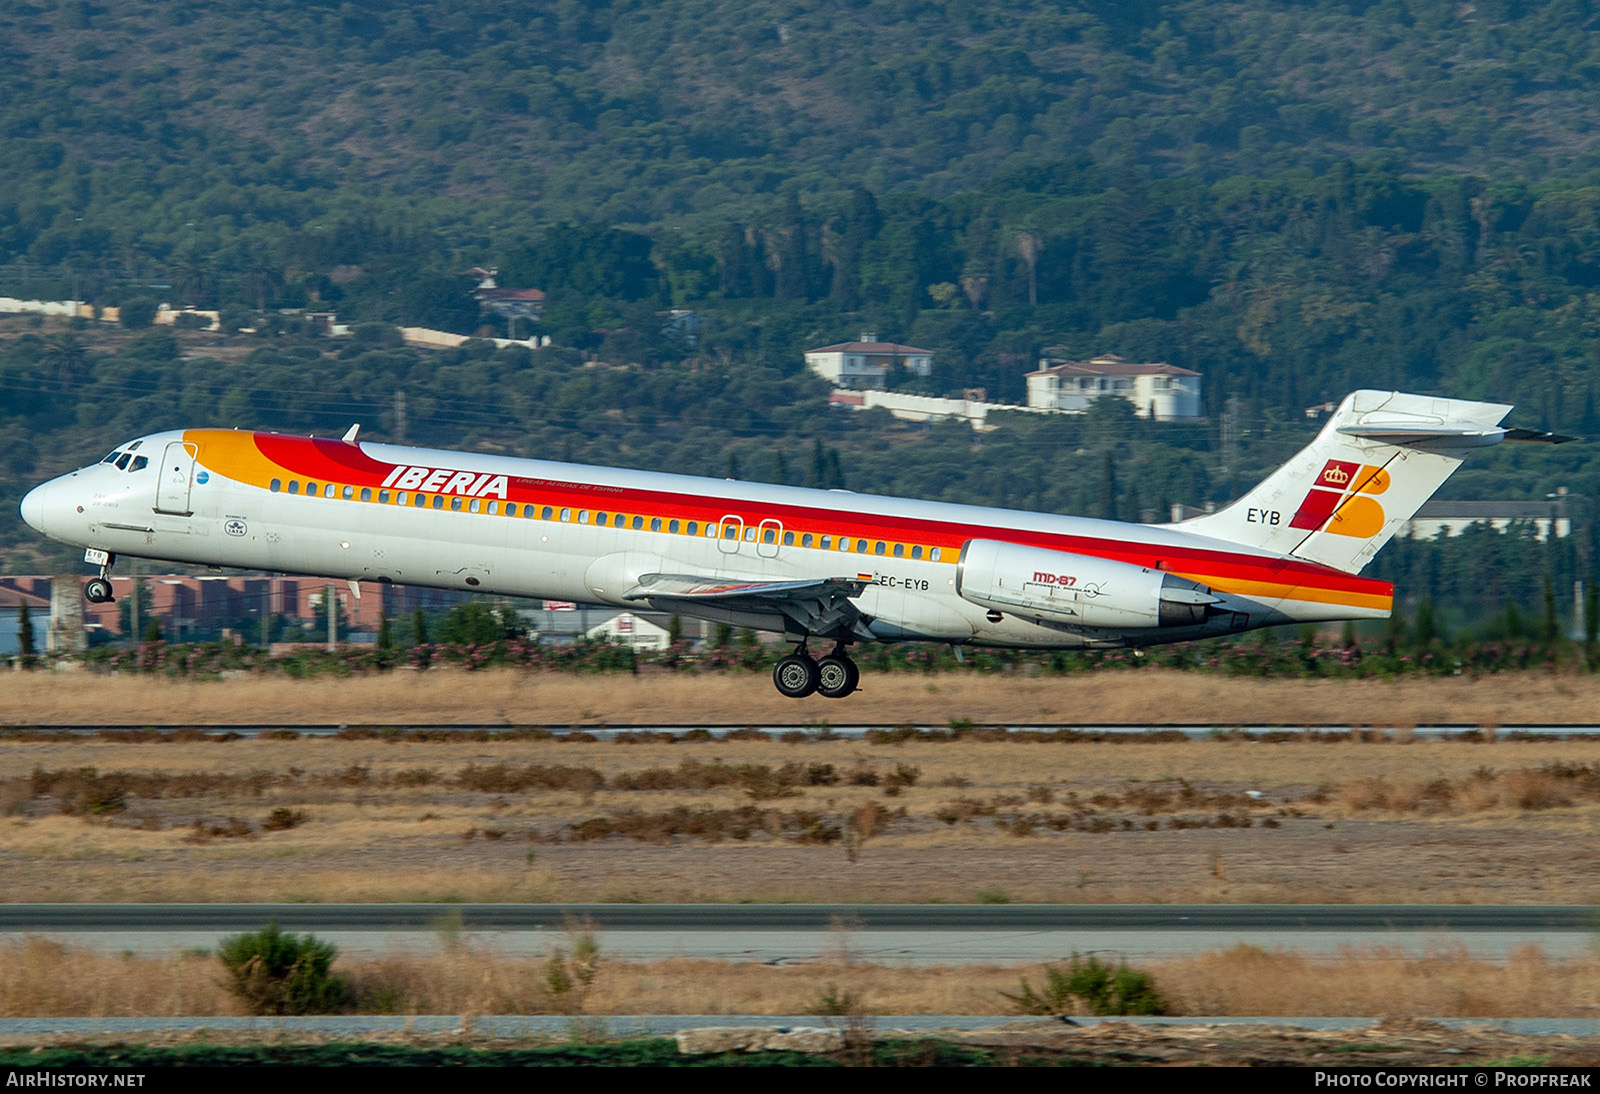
(796, 676)
(97, 591)
(837, 676)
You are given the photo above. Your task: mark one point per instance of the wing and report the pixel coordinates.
(819, 606)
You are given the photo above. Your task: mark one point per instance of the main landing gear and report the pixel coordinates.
(98, 589)
(834, 676)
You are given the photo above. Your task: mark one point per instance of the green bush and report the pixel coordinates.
(1093, 986)
(138, 313)
(277, 973)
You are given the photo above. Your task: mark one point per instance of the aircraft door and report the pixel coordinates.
(177, 472)
(730, 530)
(769, 536)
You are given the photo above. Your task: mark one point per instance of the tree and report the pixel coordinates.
(475, 624)
(138, 313)
(24, 632)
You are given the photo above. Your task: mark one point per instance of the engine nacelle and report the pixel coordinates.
(1058, 588)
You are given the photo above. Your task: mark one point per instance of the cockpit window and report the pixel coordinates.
(134, 447)
(140, 463)
(122, 462)
(112, 458)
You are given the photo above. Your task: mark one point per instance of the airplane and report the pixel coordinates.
(826, 565)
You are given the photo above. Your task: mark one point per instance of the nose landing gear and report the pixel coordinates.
(98, 590)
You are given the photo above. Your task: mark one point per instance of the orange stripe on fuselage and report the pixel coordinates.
(257, 458)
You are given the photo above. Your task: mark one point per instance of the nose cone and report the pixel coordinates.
(34, 505)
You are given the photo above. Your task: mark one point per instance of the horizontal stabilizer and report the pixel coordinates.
(1536, 436)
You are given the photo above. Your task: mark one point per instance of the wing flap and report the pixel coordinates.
(771, 593)
(813, 606)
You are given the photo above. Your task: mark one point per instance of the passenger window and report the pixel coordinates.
(455, 505)
(348, 492)
(916, 552)
(805, 540)
(402, 498)
(311, 489)
(421, 501)
(694, 528)
(545, 513)
(277, 485)
(494, 507)
(638, 523)
(383, 497)
(899, 550)
(294, 487)
(366, 493)
(600, 519)
(566, 515)
(655, 524)
(438, 501)
(826, 543)
(769, 535)
(328, 491)
(673, 527)
(934, 554)
(511, 508)
(878, 550)
(788, 539)
(730, 531)
(861, 545)
(844, 543)
(583, 516)
(474, 506)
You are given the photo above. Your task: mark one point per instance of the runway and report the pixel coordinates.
(689, 731)
(880, 934)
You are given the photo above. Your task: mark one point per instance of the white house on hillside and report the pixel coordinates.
(866, 363)
(1161, 392)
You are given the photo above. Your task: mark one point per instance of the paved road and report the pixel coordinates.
(896, 934)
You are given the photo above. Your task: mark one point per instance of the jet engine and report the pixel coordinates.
(1058, 588)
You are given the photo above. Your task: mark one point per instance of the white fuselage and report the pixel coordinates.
(534, 528)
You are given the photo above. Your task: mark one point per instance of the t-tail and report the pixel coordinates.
(1379, 457)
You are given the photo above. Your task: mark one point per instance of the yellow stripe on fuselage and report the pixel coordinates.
(234, 453)
(1277, 590)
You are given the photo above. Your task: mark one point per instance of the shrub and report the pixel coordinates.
(277, 973)
(138, 313)
(1096, 987)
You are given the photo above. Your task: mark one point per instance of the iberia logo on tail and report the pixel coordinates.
(1340, 501)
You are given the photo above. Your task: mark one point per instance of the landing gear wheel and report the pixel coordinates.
(97, 591)
(837, 676)
(796, 676)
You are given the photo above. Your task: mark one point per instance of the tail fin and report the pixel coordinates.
(1381, 455)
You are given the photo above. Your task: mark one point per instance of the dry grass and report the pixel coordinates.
(1447, 983)
(41, 978)
(1157, 697)
(1304, 818)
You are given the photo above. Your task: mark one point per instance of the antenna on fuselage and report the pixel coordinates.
(350, 434)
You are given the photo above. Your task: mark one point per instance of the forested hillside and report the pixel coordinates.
(1293, 199)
